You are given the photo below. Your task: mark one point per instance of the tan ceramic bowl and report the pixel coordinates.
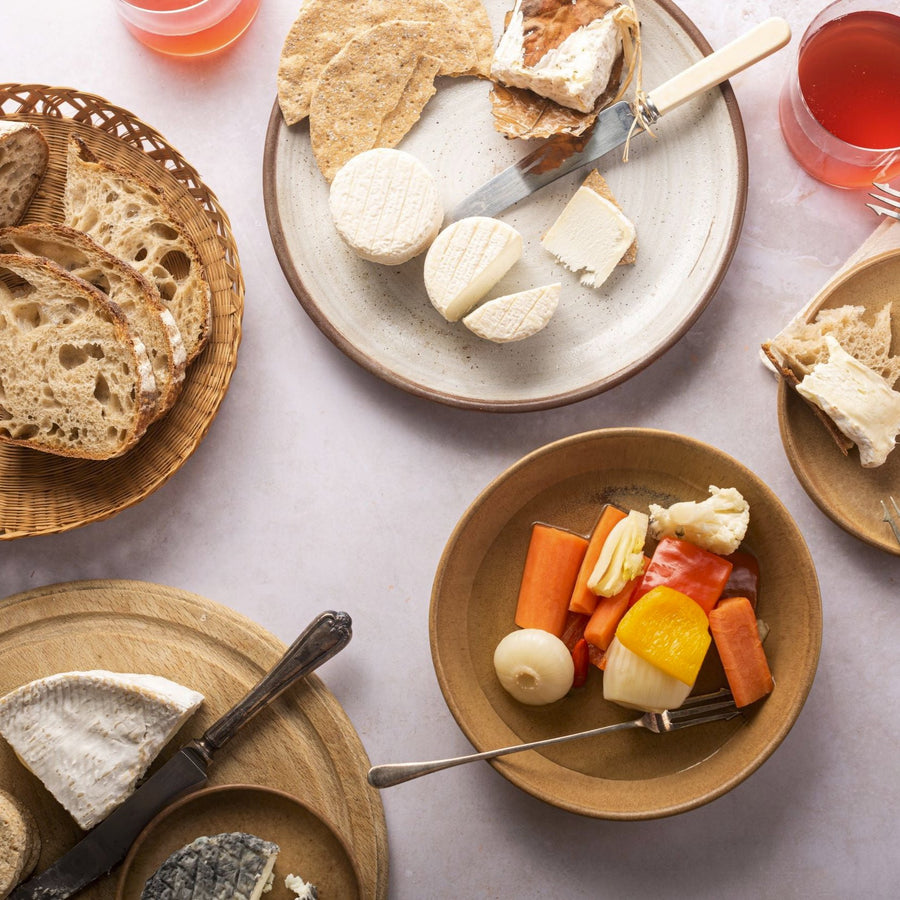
(846, 492)
(310, 847)
(631, 774)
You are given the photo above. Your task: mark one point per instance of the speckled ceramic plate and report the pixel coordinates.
(629, 774)
(685, 192)
(846, 492)
(308, 846)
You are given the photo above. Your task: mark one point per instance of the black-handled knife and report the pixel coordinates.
(616, 123)
(109, 842)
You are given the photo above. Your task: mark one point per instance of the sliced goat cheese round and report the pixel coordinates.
(515, 316)
(466, 260)
(385, 206)
(590, 236)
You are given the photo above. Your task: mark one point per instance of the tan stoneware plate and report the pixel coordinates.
(309, 846)
(303, 744)
(846, 492)
(686, 193)
(631, 774)
(43, 493)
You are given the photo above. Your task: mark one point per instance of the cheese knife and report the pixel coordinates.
(109, 842)
(617, 122)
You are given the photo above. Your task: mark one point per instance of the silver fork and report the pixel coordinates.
(887, 517)
(892, 199)
(695, 711)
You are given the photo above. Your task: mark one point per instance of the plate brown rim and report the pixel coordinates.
(420, 389)
(201, 795)
(794, 449)
(531, 776)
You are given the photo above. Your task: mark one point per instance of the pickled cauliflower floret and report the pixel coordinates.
(717, 524)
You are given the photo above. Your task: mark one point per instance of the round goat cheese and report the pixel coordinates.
(515, 316)
(385, 206)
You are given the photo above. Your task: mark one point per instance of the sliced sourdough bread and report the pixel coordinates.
(148, 317)
(24, 155)
(129, 218)
(74, 381)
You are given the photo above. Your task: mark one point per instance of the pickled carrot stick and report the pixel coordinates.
(551, 567)
(601, 627)
(733, 625)
(583, 599)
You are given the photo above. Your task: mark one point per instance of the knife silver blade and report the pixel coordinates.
(108, 843)
(616, 122)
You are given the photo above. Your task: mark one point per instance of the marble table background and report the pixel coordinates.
(319, 486)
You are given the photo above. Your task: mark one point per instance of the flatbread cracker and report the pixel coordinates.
(376, 79)
(324, 27)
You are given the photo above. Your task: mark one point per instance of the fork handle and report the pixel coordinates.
(396, 773)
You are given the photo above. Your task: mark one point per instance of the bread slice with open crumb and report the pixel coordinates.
(148, 317)
(74, 381)
(129, 218)
(24, 155)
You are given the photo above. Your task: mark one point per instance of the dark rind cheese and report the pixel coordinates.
(231, 866)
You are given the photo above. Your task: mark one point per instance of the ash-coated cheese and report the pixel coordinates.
(229, 866)
(89, 736)
(385, 206)
(590, 236)
(514, 317)
(466, 260)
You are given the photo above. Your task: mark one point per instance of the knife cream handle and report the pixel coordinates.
(328, 633)
(750, 48)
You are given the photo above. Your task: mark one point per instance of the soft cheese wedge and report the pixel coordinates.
(466, 260)
(229, 866)
(858, 400)
(591, 236)
(385, 206)
(561, 49)
(515, 316)
(89, 736)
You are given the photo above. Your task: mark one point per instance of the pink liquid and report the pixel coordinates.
(844, 120)
(191, 33)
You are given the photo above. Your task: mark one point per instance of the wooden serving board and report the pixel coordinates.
(303, 744)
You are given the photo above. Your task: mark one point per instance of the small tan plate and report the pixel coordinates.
(630, 774)
(309, 846)
(846, 492)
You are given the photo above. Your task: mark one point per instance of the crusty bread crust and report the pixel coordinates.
(24, 155)
(128, 217)
(74, 380)
(128, 289)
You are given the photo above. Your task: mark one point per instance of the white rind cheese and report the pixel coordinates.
(590, 236)
(515, 316)
(89, 736)
(858, 400)
(385, 206)
(574, 74)
(303, 889)
(229, 866)
(466, 260)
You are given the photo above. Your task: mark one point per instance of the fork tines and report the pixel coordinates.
(892, 199)
(704, 708)
(892, 520)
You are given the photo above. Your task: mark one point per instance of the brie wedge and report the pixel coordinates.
(858, 400)
(515, 316)
(385, 206)
(572, 73)
(466, 260)
(231, 866)
(89, 736)
(590, 236)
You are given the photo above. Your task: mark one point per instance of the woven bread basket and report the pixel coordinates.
(41, 493)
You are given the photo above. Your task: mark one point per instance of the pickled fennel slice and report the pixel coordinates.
(631, 681)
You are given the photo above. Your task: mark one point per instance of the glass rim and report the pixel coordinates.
(811, 30)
